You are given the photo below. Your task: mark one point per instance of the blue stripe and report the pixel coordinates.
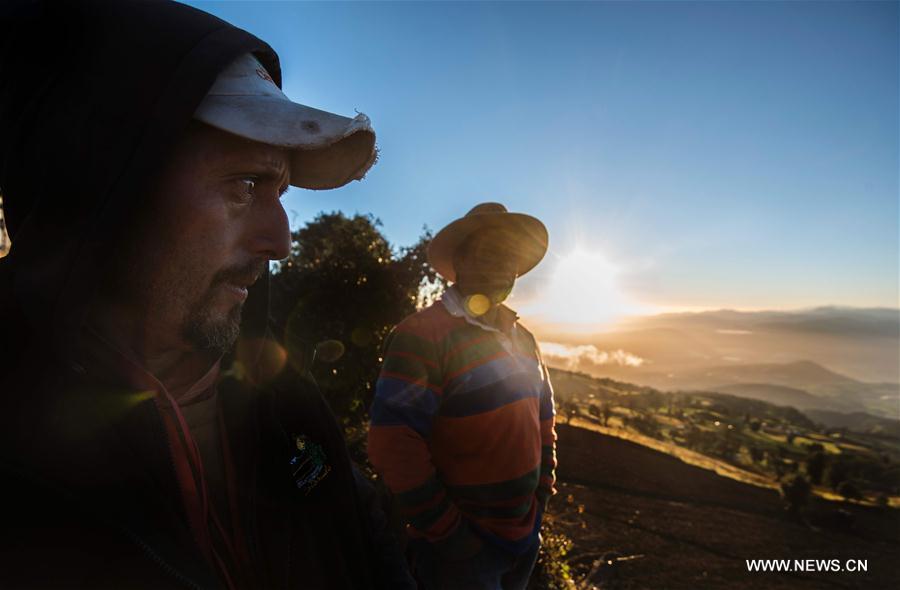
(494, 371)
(547, 409)
(399, 403)
(490, 397)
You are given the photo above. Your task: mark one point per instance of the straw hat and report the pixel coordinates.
(530, 233)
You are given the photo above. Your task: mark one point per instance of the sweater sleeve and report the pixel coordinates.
(407, 396)
(547, 481)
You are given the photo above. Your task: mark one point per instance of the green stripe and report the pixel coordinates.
(425, 519)
(473, 354)
(405, 343)
(487, 493)
(419, 495)
(409, 342)
(498, 511)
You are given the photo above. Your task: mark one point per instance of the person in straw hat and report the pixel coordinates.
(463, 421)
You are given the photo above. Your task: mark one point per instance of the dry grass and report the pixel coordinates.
(688, 456)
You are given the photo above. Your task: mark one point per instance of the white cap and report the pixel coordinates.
(328, 150)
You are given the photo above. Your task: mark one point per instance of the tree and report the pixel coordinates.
(815, 467)
(815, 448)
(567, 409)
(837, 474)
(795, 491)
(756, 453)
(343, 281)
(605, 413)
(849, 490)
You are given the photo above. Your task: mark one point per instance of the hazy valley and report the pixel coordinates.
(827, 359)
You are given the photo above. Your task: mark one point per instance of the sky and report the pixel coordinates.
(683, 155)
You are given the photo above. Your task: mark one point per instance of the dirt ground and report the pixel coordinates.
(686, 527)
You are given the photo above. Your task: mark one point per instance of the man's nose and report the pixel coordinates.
(271, 232)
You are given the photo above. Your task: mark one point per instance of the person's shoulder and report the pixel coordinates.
(525, 333)
(429, 322)
(525, 336)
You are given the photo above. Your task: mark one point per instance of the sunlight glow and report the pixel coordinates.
(583, 293)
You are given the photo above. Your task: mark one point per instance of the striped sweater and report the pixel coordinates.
(463, 429)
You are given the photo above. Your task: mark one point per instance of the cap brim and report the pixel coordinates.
(533, 240)
(329, 150)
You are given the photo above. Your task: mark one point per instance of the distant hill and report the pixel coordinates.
(804, 384)
(856, 421)
(801, 374)
(788, 404)
(862, 344)
(777, 394)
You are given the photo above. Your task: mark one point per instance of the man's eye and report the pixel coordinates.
(247, 187)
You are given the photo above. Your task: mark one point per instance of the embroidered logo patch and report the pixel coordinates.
(308, 464)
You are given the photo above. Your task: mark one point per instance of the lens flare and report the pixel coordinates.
(478, 304)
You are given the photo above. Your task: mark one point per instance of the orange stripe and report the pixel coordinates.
(491, 447)
(423, 382)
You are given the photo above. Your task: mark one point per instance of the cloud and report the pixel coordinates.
(586, 356)
(737, 332)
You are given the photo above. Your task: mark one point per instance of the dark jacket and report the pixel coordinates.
(93, 95)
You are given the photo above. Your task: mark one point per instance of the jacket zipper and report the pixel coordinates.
(163, 564)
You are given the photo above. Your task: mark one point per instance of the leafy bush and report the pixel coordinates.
(552, 571)
(344, 282)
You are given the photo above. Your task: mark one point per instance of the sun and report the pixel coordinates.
(583, 293)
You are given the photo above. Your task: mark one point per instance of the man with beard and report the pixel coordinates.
(155, 434)
(463, 420)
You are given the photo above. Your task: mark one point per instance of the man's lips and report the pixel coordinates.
(237, 280)
(237, 291)
(239, 287)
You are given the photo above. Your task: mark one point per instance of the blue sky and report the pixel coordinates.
(709, 154)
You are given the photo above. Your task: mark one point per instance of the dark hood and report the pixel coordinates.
(93, 96)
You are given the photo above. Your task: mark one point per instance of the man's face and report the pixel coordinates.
(216, 221)
(487, 265)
